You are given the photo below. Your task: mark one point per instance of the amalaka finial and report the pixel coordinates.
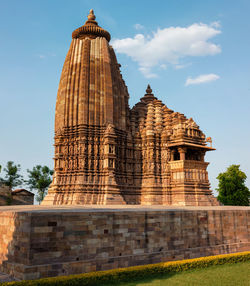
(91, 16)
(149, 90)
(90, 28)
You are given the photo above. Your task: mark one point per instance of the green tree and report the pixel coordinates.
(232, 189)
(12, 177)
(39, 179)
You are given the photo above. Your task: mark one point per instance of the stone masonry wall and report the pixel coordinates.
(41, 242)
(7, 229)
(21, 199)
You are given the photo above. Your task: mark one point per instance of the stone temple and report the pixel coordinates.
(106, 152)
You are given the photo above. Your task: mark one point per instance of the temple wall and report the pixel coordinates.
(49, 241)
(7, 228)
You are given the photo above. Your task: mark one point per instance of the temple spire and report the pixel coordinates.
(149, 96)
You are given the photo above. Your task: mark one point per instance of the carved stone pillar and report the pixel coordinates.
(172, 154)
(182, 151)
(202, 155)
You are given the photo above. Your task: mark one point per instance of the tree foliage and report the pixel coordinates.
(232, 189)
(39, 179)
(12, 177)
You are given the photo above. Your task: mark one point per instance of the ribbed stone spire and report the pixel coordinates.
(92, 101)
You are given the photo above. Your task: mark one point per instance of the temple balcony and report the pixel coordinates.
(189, 171)
(188, 164)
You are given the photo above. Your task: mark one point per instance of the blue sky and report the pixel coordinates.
(35, 37)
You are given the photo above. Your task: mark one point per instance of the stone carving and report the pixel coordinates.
(209, 139)
(107, 153)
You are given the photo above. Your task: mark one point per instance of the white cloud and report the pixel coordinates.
(163, 66)
(147, 72)
(204, 78)
(138, 27)
(42, 56)
(169, 46)
(179, 67)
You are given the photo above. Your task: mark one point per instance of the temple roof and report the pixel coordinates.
(151, 116)
(17, 191)
(91, 28)
(187, 144)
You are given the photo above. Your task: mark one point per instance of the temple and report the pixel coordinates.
(107, 153)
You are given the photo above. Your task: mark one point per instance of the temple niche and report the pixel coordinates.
(108, 153)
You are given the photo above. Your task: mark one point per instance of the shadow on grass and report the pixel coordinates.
(224, 275)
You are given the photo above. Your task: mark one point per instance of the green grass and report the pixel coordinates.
(229, 274)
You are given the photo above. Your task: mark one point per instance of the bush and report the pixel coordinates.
(135, 273)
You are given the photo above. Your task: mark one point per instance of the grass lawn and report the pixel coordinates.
(229, 274)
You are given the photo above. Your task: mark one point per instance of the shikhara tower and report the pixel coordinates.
(107, 153)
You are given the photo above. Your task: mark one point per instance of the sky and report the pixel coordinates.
(194, 54)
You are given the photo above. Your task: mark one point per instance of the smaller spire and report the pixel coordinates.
(91, 16)
(149, 90)
(149, 96)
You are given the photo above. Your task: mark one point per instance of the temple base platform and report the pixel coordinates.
(46, 241)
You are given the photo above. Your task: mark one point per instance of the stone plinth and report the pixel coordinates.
(39, 241)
